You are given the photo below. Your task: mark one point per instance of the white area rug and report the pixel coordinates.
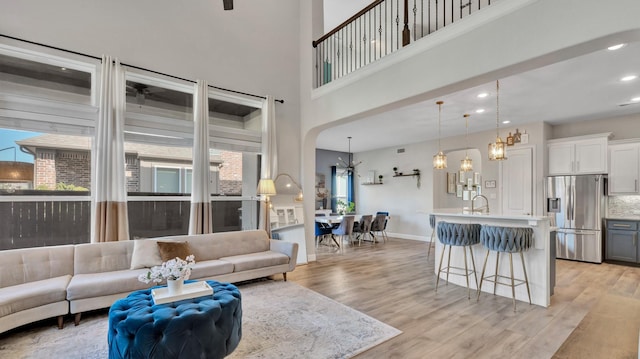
(279, 320)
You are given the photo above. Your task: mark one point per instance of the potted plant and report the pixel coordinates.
(380, 179)
(175, 271)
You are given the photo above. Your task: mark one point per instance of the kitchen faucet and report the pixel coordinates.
(480, 209)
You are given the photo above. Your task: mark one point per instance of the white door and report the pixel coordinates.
(517, 182)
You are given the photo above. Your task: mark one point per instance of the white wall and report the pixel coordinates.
(622, 127)
(337, 11)
(254, 48)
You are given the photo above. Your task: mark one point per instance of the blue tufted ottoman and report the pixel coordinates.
(203, 327)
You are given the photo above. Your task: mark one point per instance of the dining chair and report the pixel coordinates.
(321, 232)
(364, 228)
(378, 226)
(345, 229)
(384, 228)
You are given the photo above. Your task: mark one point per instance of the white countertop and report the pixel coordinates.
(459, 212)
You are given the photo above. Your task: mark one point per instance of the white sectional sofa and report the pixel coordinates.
(40, 283)
(33, 284)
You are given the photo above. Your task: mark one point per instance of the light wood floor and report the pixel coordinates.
(394, 283)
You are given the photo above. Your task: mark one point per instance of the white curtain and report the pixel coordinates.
(200, 218)
(269, 163)
(269, 143)
(110, 192)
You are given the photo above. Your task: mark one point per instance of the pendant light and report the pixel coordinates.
(498, 149)
(440, 159)
(466, 165)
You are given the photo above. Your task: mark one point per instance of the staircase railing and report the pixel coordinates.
(384, 26)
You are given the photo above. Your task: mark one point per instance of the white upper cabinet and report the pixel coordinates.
(578, 155)
(624, 170)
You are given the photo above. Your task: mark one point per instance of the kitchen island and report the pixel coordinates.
(538, 258)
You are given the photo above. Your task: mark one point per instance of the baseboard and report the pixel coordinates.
(409, 236)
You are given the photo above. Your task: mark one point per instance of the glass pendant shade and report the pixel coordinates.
(440, 161)
(498, 150)
(466, 165)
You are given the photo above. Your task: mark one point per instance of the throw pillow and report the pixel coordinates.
(145, 254)
(171, 250)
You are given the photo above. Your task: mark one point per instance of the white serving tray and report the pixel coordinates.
(189, 290)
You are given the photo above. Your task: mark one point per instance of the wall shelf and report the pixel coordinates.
(414, 174)
(408, 175)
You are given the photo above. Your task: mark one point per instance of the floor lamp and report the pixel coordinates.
(267, 188)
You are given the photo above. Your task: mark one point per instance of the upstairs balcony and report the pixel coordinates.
(381, 28)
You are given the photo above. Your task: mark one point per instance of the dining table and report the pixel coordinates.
(334, 221)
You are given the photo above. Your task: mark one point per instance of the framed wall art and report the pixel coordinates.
(451, 182)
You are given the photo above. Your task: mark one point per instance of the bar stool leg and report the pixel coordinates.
(484, 266)
(495, 277)
(513, 286)
(526, 280)
(466, 272)
(440, 266)
(430, 243)
(448, 264)
(473, 263)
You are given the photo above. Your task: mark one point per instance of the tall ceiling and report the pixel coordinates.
(584, 88)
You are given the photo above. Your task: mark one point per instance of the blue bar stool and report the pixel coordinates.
(505, 240)
(463, 235)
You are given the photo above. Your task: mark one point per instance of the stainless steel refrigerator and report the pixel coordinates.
(576, 206)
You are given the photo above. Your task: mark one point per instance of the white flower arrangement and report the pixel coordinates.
(171, 270)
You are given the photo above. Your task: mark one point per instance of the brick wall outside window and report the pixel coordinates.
(230, 182)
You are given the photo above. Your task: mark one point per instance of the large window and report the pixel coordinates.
(48, 111)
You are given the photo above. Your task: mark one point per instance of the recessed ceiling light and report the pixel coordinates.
(635, 99)
(506, 122)
(629, 78)
(63, 68)
(615, 47)
(483, 95)
(480, 110)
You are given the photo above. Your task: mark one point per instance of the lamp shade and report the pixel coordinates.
(266, 187)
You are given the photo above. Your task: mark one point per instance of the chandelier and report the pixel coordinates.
(440, 159)
(466, 165)
(497, 149)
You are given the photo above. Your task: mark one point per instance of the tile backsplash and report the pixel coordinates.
(624, 206)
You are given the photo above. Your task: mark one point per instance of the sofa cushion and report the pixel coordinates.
(145, 254)
(92, 285)
(32, 295)
(210, 268)
(18, 266)
(102, 257)
(256, 260)
(171, 250)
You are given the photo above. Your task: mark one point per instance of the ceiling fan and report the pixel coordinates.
(349, 166)
(141, 91)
